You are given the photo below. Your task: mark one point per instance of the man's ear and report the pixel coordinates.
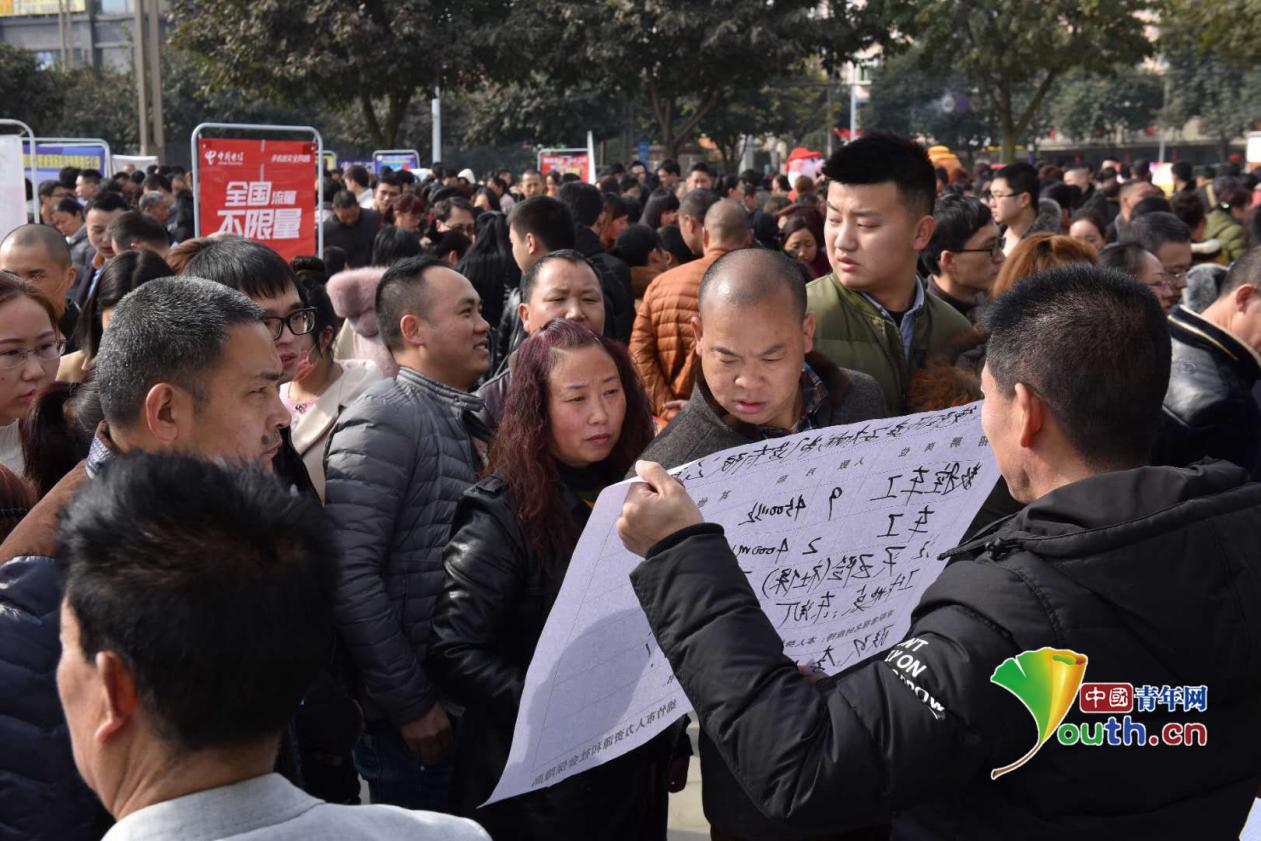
(164, 410)
(410, 326)
(946, 262)
(531, 244)
(1032, 414)
(1245, 295)
(119, 696)
(924, 232)
(807, 328)
(705, 238)
(695, 321)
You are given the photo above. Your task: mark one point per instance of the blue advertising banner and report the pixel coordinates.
(51, 158)
(396, 160)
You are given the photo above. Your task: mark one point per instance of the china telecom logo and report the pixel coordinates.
(1048, 680)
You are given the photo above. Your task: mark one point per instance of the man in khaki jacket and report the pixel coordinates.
(873, 313)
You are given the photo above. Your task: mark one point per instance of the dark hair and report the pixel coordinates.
(803, 219)
(107, 202)
(443, 207)
(12, 286)
(696, 203)
(628, 182)
(316, 296)
(567, 255)
(47, 188)
(58, 433)
(134, 226)
(585, 201)
(69, 205)
(520, 453)
(334, 259)
(777, 272)
(1067, 196)
(170, 330)
(1020, 177)
(547, 219)
(449, 242)
(393, 244)
(1088, 215)
(958, 219)
(1181, 170)
(402, 291)
(492, 198)
(92, 176)
(635, 244)
(1151, 204)
(669, 166)
(344, 200)
(244, 265)
(190, 571)
(309, 270)
(1092, 343)
(659, 201)
(1233, 195)
(359, 175)
(489, 264)
(1142, 168)
(1123, 257)
(1186, 205)
(157, 182)
(701, 166)
(881, 157)
(408, 203)
(672, 241)
(1153, 230)
(125, 272)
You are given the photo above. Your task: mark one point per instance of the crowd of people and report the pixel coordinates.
(272, 528)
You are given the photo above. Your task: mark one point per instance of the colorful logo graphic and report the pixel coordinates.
(1046, 682)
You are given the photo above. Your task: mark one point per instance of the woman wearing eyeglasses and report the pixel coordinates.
(322, 386)
(30, 347)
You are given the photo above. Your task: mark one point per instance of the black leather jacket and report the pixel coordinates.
(1209, 409)
(488, 620)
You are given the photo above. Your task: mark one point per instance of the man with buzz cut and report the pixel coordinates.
(873, 312)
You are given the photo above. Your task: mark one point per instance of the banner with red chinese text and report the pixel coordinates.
(577, 161)
(263, 190)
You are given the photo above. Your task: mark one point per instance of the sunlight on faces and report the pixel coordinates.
(586, 405)
(801, 246)
(240, 416)
(872, 238)
(35, 264)
(564, 290)
(751, 357)
(98, 223)
(289, 347)
(24, 326)
(453, 332)
(90, 714)
(1083, 230)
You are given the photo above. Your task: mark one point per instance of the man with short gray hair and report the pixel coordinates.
(187, 367)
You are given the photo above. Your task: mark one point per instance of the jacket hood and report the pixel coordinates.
(353, 293)
(1171, 551)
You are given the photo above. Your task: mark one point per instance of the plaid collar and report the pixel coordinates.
(813, 395)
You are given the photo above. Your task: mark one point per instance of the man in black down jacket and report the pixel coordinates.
(399, 458)
(1209, 408)
(1151, 572)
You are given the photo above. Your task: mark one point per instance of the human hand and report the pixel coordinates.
(429, 736)
(656, 507)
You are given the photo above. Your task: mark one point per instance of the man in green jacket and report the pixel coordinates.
(872, 312)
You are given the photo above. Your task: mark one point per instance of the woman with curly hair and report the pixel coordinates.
(574, 421)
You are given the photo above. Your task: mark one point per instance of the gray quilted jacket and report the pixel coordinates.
(398, 461)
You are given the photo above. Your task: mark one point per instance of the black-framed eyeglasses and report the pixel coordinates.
(994, 250)
(300, 322)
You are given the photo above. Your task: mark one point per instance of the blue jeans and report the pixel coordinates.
(395, 775)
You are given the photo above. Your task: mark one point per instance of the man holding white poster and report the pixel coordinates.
(1149, 575)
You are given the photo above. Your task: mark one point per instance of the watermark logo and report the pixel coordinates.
(1048, 680)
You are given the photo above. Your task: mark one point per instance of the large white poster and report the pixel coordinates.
(14, 206)
(839, 532)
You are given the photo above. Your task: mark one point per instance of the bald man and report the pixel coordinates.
(758, 378)
(39, 254)
(662, 339)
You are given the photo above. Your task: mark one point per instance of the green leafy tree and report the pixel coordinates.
(97, 103)
(1225, 97)
(681, 60)
(1013, 53)
(377, 54)
(943, 108)
(1086, 108)
(30, 93)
